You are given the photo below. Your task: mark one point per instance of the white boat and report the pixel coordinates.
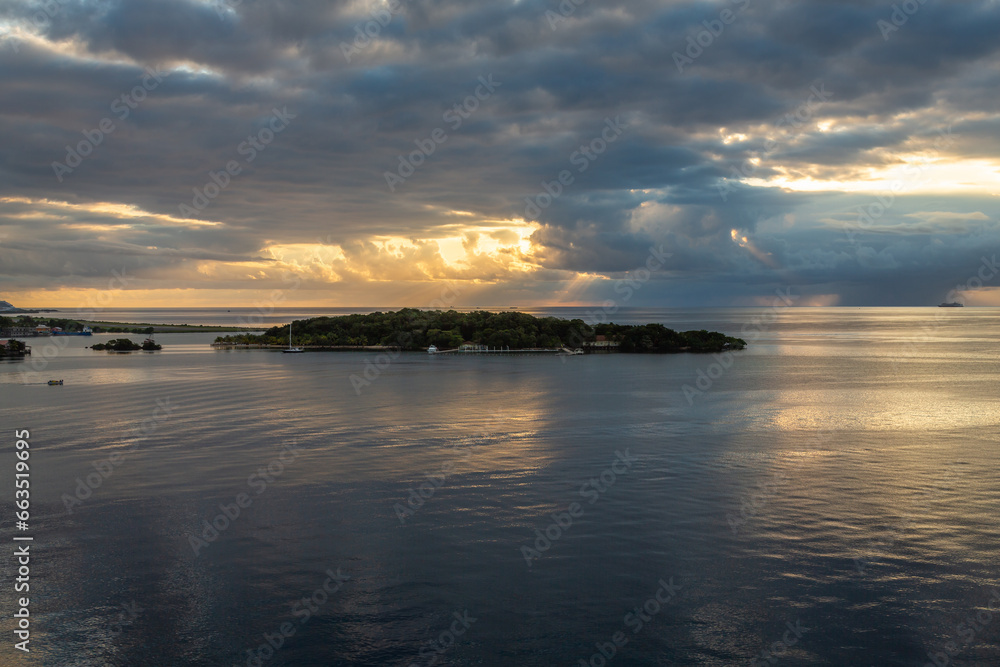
(432, 349)
(291, 350)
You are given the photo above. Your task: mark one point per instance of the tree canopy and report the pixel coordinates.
(126, 345)
(412, 329)
(13, 348)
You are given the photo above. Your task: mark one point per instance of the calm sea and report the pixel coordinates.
(829, 496)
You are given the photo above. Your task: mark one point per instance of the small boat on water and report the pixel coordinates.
(290, 349)
(432, 349)
(55, 382)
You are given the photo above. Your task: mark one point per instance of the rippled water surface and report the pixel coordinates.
(828, 496)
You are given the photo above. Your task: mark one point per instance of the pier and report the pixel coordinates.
(483, 349)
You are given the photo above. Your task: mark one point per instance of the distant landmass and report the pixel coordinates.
(9, 326)
(952, 304)
(411, 329)
(7, 308)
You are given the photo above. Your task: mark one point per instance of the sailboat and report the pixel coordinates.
(290, 349)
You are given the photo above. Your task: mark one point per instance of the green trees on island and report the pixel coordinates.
(126, 345)
(658, 338)
(13, 348)
(412, 329)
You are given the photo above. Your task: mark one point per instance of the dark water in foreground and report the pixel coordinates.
(833, 489)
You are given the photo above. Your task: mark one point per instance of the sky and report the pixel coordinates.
(434, 153)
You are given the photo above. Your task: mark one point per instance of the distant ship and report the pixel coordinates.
(432, 349)
(953, 304)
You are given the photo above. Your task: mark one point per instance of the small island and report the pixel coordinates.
(126, 345)
(12, 348)
(412, 329)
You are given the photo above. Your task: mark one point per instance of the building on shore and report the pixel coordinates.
(18, 332)
(603, 343)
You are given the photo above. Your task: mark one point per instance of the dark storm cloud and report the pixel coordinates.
(358, 103)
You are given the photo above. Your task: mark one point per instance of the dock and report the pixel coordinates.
(505, 350)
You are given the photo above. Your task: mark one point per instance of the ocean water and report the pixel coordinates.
(828, 496)
(681, 319)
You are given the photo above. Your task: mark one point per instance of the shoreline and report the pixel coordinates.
(481, 332)
(169, 328)
(587, 350)
(277, 346)
(106, 327)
